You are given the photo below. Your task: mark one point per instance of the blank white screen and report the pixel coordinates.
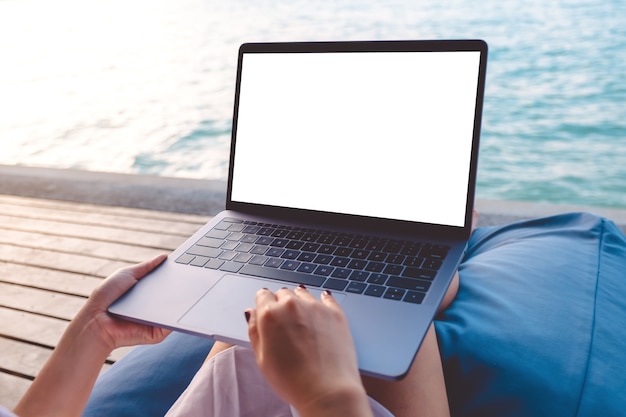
(385, 134)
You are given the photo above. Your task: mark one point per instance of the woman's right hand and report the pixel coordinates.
(305, 351)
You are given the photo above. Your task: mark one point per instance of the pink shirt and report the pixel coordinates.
(231, 384)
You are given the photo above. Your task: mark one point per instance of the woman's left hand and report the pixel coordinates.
(116, 332)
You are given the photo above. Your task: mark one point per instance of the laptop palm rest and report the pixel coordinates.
(227, 300)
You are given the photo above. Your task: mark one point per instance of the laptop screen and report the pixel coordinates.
(378, 134)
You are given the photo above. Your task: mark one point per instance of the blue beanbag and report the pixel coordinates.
(538, 325)
(537, 329)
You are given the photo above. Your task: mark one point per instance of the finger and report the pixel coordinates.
(253, 331)
(264, 297)
(122, 280)
(140, 270)
(328, 300)
(303, 293)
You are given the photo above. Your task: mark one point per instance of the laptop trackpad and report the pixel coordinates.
(220, 312)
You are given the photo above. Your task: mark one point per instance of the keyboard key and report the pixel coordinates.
(322, 259)
(306, 257)
(236, 227)
(342, 241)
(408, 284)
(229, 245)
(414, 297)
(199, 261)
(243, 257)
(339, 261)
(310, 237)
(258, 260)
(210, 242)
(218, 234)
(356, 287)
(290, 254)
(357, 264)
(324, 270)
(413, 261)
(360, 254)
(326, 249)
(325, 239)
(244, 247)
(419, 273)
(344, 252)
(249, 239)
(379, 279)
(375, 267)
(259, 249)
(394, 258)
(335, 284)
(358, 244)
(433, 264)
(377, 256)
(214, 264)
(435, 251)
(375, 290)
(290, 265)
(342, 273)
(273, 262)
(307, 268)
(394, 294)
(275, 252)
(235, 236)
(393, 269)
(185, 258)
(228, 255)
(294, 244)
(295, 235)
(231, 266)
(279, 243)
(310, 247)
(359, 276)
(251, 229)
(264, 240)
(289, 276)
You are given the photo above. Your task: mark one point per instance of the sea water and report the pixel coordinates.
(147, 86)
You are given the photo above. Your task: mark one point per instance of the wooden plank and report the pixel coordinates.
(85, 207)
(79, 264)
(12, 388)
(22, 358)
(158, 239)
(59, 281)
(52, 256)
(40, 330)
(24, 361)
(107, 250)
(101, 219)
(44, 331)
(34, 300)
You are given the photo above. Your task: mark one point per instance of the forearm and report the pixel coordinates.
(65, 382)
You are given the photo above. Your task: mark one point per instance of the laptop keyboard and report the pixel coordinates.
(376, 267)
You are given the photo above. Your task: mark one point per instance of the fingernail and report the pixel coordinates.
(247, 315)
(327, 292)
(301, 286)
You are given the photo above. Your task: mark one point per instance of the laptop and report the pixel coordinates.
(352, 169)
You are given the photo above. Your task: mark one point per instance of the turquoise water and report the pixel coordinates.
(147, 86)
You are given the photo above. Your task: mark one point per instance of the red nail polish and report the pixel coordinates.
(247, 315)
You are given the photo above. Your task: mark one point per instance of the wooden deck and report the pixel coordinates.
(52, 255)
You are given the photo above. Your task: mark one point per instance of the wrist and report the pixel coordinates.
(345, 402)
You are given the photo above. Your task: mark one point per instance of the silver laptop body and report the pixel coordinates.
(353, 169)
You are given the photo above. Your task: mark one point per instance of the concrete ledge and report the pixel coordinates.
(139, 191)
(208, 197)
